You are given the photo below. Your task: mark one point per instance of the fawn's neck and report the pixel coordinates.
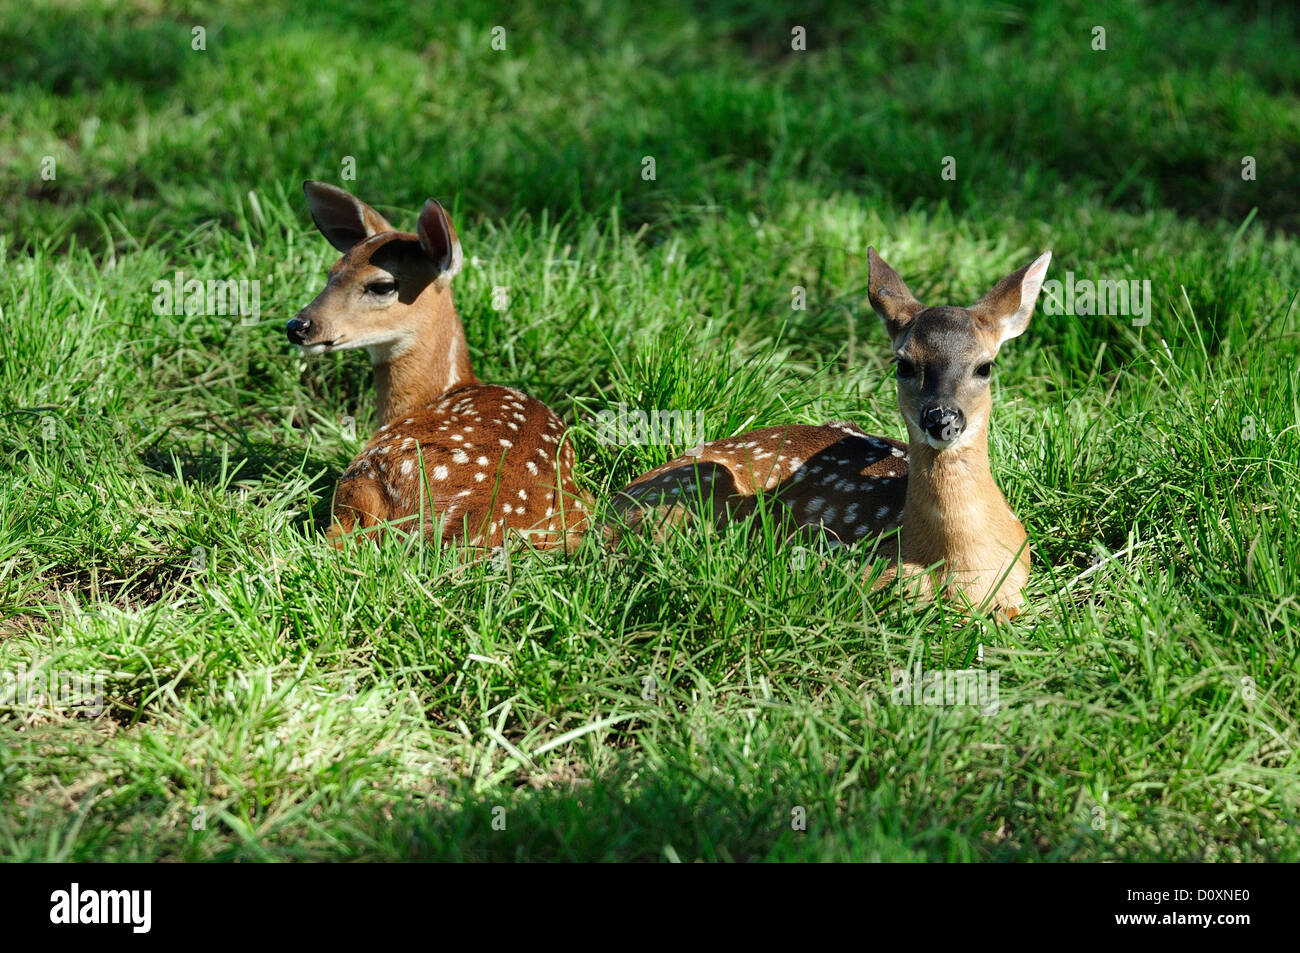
(434, 362)
(952, 501)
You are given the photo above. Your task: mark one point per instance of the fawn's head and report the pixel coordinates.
(377, 296)
(945, 354)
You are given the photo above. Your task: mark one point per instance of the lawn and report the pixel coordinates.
(710, 696)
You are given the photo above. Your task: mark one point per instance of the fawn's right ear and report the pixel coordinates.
(439, 241)
(341, 217)
(889, 296)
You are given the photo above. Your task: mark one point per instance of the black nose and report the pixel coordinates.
(943, 423)
(297, 329)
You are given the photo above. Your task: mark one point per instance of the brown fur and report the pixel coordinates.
(837, 481)
(483, 461)
(958, 522)
(849, 484)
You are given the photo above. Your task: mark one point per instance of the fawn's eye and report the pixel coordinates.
(984, 370)
(906, 368)
(385, 286)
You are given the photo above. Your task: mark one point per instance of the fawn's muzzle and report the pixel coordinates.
(297, 329)
(943, 423)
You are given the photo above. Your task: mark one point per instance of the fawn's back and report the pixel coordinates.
(848, 485)
(484, 460)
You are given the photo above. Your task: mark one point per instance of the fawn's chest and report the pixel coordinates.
(957, 517)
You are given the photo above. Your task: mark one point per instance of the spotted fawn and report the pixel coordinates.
(480, 460)
(846, 486)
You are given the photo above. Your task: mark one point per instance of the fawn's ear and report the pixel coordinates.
(1008, 306)
(439, 241)
(341, 217)
(889, 296)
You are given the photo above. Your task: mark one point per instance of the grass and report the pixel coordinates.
(269, 698)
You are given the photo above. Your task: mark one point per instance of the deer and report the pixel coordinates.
(930, 506)
(468, 461)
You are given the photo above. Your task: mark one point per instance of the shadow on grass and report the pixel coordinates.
(1060, 125)
(671, 814)
(235, 469)
(67, 50)
(665, 815)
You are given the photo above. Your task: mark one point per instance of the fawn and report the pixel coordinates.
(846, 486)
(481, 460)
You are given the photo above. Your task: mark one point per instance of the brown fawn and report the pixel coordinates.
(839, 483)
(478, 459)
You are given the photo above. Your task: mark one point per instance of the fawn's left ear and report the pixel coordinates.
(1008, 306)
(439, 241)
